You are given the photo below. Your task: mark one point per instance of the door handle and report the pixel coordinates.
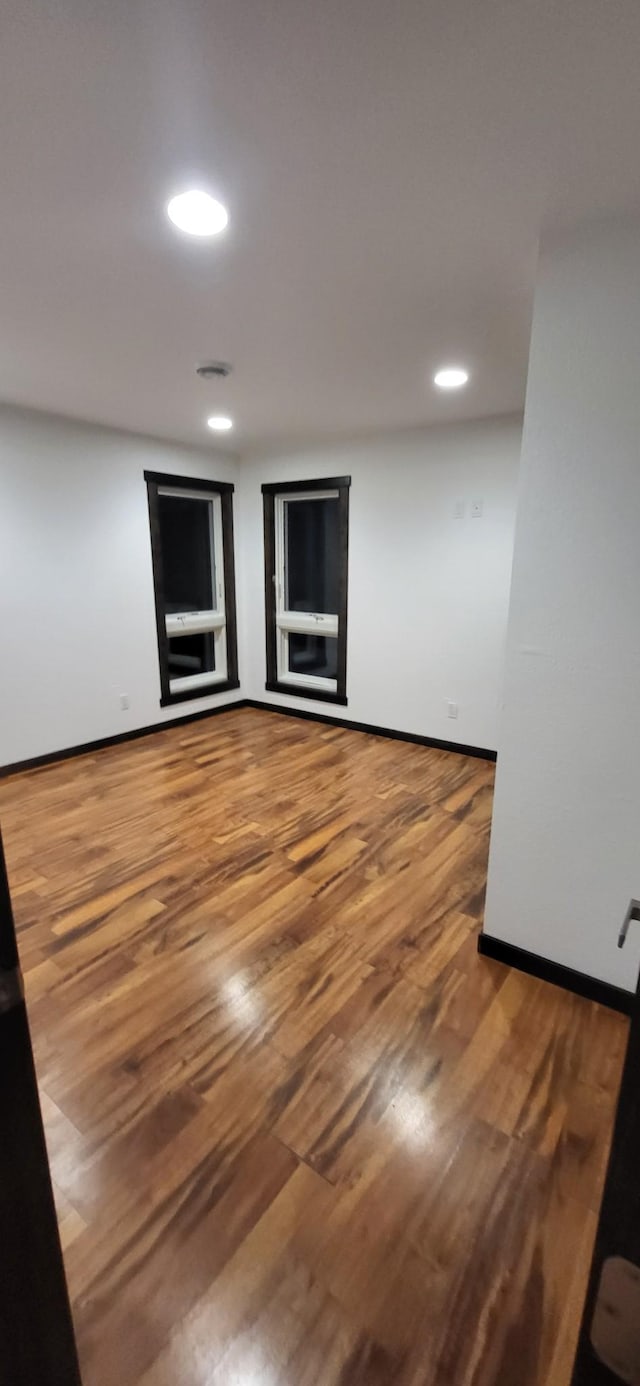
(633, 912)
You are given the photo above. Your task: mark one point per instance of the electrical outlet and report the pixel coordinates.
(476, 509)
(452, 709)
(124, 701)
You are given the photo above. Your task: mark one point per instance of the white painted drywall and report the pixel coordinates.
(565, 853)
(77, 617)
(428, 592)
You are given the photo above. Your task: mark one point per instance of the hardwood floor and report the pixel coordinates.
(300, 1132)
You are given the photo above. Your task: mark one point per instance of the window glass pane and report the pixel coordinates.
(188, 568)
(191, 654)
(311, 555)
(313, 654)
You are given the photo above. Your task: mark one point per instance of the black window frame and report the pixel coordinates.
(224, 489)
(270, 490)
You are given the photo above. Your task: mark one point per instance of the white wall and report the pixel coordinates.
(77, 615)
(565, 853)
(428, 593)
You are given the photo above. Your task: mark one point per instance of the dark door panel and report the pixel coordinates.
(609, 1344)
(37, 1346)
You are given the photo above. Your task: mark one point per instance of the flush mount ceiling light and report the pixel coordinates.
(197, 213)
(220, 423)
(451, 378)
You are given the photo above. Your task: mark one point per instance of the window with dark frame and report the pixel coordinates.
(306, 532)
(194, 582)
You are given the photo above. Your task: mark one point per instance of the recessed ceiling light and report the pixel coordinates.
(451, 378)
(197, 213)
(221, 423)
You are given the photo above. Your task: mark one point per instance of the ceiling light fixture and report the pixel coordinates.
(220, 423)
(197, 213)
(451, 378)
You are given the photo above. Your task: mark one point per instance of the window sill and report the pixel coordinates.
(195, 695)
(293, 690)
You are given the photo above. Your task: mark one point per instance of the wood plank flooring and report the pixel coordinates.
(300, 1133)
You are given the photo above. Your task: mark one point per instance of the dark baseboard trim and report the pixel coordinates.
(70, 752)
(603, 992)
(37, 762)
(371, 730)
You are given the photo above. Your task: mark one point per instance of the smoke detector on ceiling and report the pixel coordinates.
(214, 370)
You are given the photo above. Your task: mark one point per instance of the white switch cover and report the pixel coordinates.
(124, 701)
(458, 510)
(452, 709)
(476, 509)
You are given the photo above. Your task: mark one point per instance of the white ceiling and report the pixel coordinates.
(387, 165)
